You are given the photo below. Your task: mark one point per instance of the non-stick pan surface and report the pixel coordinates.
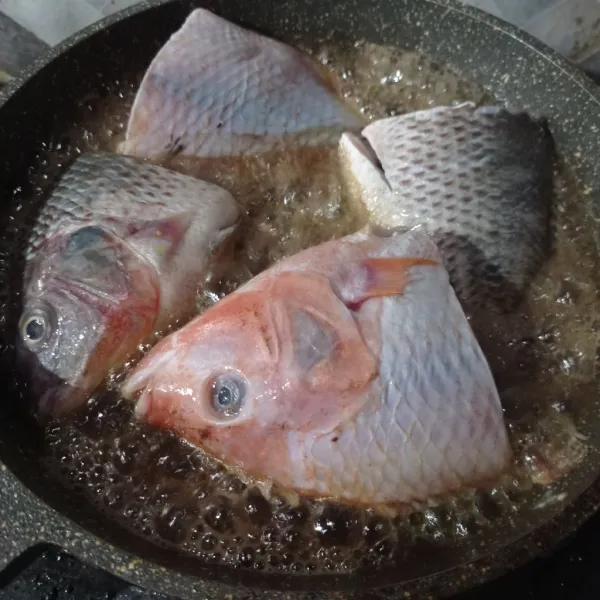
(58, 91)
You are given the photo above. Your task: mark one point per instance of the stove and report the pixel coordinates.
(570, 573)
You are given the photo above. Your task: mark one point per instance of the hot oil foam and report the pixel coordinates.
(161, 488)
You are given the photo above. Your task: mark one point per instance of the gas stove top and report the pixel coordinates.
(571, 573)
(55, 575)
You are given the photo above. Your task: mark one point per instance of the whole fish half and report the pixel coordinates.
(115, 255)
(348, 371)
(217, 89)
(478, 180)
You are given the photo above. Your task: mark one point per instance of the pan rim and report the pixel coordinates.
(543, 51)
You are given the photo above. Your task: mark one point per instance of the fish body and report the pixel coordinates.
(348, 371)
(115, 255)
(217, 89)
(478, 180)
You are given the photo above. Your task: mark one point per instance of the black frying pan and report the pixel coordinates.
(57, 94)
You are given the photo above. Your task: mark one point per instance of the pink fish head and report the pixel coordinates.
(275, 361)
(347, 371)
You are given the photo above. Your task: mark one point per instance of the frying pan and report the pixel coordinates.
(55, 94)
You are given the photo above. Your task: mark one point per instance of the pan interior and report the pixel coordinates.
(134, 486)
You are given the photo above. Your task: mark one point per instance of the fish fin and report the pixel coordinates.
(366, 183)
(162, 239)
(171, 228)
(389, 276)
(351, 143)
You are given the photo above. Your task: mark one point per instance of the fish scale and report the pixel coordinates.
(219, 89)
(100, 186)
(442, 421)
(478, 180)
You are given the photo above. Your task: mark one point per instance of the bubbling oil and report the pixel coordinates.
(544, 359)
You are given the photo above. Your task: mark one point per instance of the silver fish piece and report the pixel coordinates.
(116, 255)
(478, 180)
(217, 89)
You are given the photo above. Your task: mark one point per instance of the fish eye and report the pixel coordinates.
(35, 327)
(228, 393)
